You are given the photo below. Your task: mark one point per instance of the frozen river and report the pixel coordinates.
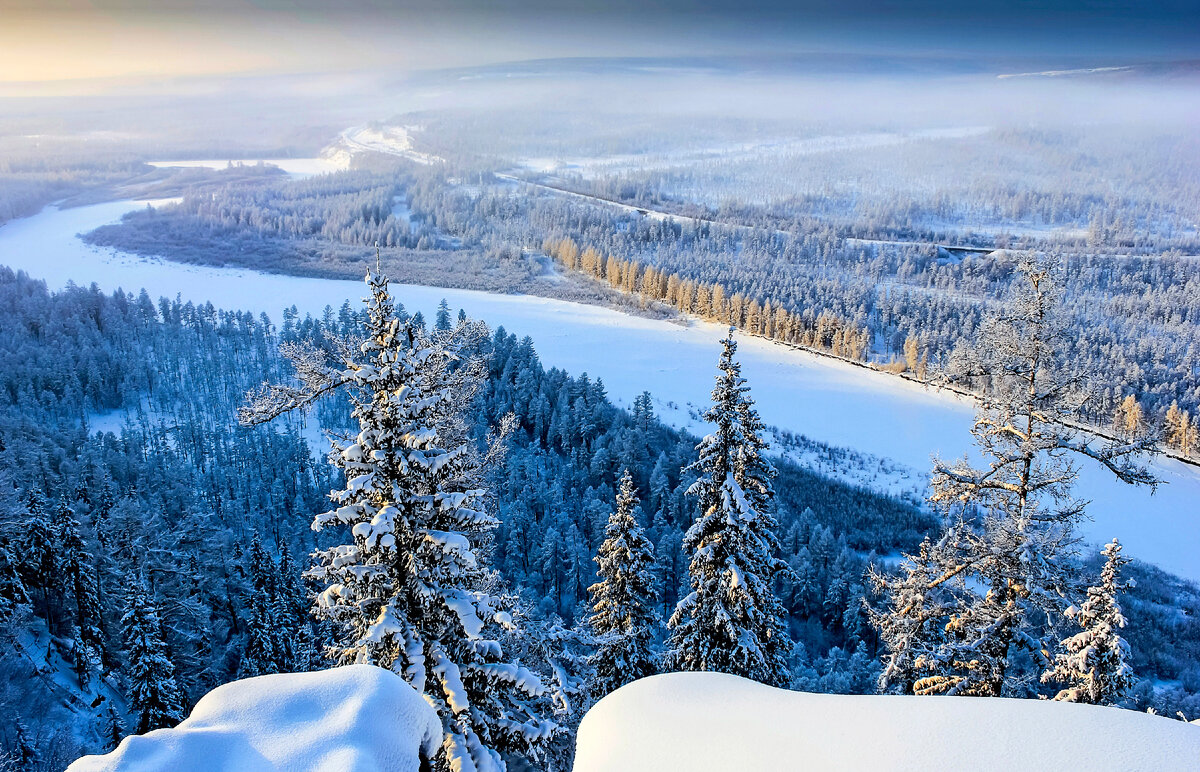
(823, 399)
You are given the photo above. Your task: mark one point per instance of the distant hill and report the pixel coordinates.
(841, 64)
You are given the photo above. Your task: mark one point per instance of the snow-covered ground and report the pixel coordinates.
(590, 167)
(357, 718)
(296, 167)
(390, 140)
(712, 722)
(823, 399)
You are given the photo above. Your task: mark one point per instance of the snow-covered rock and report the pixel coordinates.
(357, 718)
(712, 721)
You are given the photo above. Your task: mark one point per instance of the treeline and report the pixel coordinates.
(1135, 320)
(351, 207)
(1109, 190)
(30, 181)
(1112, 188)
(714, 303)
(824, 333)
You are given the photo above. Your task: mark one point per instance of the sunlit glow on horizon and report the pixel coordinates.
(69, 40)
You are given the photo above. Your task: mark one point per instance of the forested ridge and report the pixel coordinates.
(901, 307)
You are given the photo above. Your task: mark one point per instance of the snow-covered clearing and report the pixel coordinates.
(357, 718)
(590, 167)
(401, 211)
(296, 167)
(712, 721)
(390, 140)
(823, 399)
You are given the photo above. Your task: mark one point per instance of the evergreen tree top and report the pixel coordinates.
(732, 621)
(409, 588)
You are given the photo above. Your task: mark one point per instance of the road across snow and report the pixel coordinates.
(826, 400)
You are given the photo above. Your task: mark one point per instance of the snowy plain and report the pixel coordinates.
(357, 718)
(295, 167)
(713, 722)
(823, 399)
(591, 167)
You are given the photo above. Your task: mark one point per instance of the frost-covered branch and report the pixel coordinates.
(316, 376)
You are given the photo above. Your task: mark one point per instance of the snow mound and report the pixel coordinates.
(712, 721)
(357, 718)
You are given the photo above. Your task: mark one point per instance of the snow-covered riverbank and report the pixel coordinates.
(823, 399)
(295, 167)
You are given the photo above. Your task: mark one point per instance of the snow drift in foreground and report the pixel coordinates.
(712, 721)
(357, 718)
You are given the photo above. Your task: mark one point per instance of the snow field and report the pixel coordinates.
(296, 167)
(357, 718)
(712, 722)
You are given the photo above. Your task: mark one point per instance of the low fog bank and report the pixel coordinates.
(584, 99)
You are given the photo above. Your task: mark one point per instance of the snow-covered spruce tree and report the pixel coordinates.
(1011, 524)
(623, 601)
(258, 652)
(12, 587)
(149, 675)
(77, 576)
(731, 622)
(1093, 664)
(263, 639)
(442, 320)
(296, 646)
(912, 627)
(410, 591)
(113, 728)
(38, 557)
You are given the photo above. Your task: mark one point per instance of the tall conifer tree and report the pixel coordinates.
(150, 682)
(410, 591)
(1010, 524)
(623, 601)
(732, 621)
(1093, 664)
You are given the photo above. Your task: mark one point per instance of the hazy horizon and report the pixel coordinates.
(59, 43)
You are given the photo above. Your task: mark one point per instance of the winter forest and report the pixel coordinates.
(589, 543)
(530, 380)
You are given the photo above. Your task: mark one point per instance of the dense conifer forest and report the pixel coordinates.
(895, 299)
(152, 548)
